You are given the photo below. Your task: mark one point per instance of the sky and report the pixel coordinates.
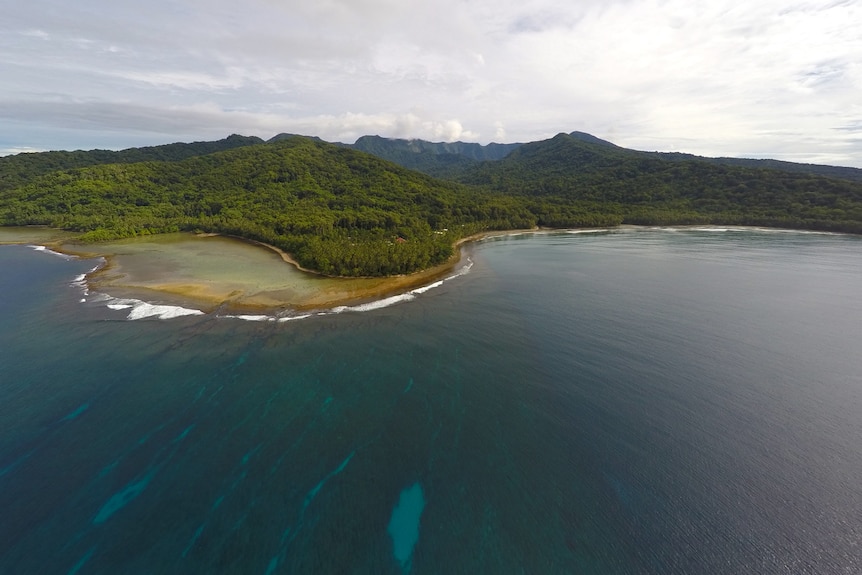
(764, 79)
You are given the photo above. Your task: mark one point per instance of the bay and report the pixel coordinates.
(636, 401)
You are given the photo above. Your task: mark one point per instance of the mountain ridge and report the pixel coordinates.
(439, 159)
(414, 154)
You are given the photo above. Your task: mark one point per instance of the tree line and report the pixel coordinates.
(344, 212)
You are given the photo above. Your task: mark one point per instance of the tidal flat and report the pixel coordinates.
(215, 272)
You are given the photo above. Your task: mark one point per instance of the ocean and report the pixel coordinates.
(667, 401)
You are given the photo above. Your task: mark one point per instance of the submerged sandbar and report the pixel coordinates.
(211, 271)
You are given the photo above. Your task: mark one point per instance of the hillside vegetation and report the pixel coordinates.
(21, 168)
(340, 211)
(438, 159)
(644, 189)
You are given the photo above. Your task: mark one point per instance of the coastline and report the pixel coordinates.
(326, 292)
(296, 290)
(115, 277)
(330, 292)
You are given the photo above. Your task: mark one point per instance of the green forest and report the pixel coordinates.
(344, 212)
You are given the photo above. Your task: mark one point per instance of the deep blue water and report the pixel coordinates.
(635, 402)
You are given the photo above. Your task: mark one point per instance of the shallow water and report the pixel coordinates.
(32, 234)
(637, 402)
(205, 271)
(206, 266)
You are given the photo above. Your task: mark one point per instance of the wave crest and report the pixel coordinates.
(140, 309)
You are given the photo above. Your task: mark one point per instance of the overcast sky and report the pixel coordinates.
(766, 78)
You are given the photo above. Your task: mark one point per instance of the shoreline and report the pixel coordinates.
(199, 293)
(334, 291)
(211, 296)
(202, 294)
(110, 279)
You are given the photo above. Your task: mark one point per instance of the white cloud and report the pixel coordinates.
(499, 132)
(720, 78)
(19, 150)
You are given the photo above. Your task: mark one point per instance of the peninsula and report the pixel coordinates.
(342, 212)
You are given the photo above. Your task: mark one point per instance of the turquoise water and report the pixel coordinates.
(635, 402)
(404, 523)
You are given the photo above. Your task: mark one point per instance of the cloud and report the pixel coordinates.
(19, 150)
(499, 132)
(212, 121)
(720, 78)
(853, 127)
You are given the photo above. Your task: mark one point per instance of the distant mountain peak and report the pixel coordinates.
(584, 137)
(433, 158)
(287, 136)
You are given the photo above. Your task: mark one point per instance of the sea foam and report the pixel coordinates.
(359, 308)
(43, 249)
(377, 304)
(261, 317)
(423, 289)
(407, 296)
(293, 317)
(589, 231)
(141, 309)
(80, 281)
(745, 229)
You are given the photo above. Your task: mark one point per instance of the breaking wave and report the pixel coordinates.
(43, 249)
(359, 308)
(141, 310)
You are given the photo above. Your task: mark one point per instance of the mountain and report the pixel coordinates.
(647, 189)
(379, 146)
(287, 136)
(449, 160)
(590, 139)
(444, 159)
(438, 159)
(336, 210)
(342, 211)
(844, 173)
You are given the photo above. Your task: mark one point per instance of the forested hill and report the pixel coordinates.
(451, 160)
(20, 168)
(650, 190)
(341, 211)
(439, 159)
(338, 211)
(447, 160)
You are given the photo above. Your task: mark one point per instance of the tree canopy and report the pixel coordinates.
(341, 211)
